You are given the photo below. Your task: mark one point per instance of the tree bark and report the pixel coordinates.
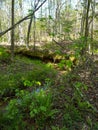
(87, 18)
(29, 26)
(21, 31)
(12, 32)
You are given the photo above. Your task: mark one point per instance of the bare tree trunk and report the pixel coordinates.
(29, 27)
(57, 16)
(7, 5)
(12, 33)
(92, 27)
(86, 25)
(83, 22)
(28, 33)
(34, 32)
(86, 22)
(21, 33)
(40, 35)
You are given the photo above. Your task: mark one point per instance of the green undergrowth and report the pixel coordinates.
(38, 97)
(4, 54)
(53, 109)
(13, 74)
(28, 111)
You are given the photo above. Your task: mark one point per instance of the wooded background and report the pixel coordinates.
(40, 21)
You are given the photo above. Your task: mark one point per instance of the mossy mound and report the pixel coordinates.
(44, 55)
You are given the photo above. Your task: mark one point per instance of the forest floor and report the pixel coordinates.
(75, 92)
(88, 73)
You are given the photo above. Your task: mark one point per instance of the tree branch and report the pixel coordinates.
(20, 21)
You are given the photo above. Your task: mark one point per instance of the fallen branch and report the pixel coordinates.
(58, 43)
(20, 21)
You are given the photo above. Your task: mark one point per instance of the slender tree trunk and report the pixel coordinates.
(12, 32)
(40, 36)
(83, 22)
(86, 25)
(34, 32)
(86, 22)
(21, 33)
(92, 26)
(29, 27)
(8, 12)
(28, 34)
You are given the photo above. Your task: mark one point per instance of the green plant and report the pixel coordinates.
(95, 126)
(4, 55)
(80, 96)
(10, 124)
(72, 112)
(72, 116)
(28, 83)
(74, 106)
(23, 72)
(35, 106)
(79, 87)
(41, 108)
(13, 118)
(48, 82)
(69, 62)
(62, 64)
(12, 109)
(57, 128)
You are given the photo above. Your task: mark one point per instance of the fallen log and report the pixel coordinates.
(44, 55)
